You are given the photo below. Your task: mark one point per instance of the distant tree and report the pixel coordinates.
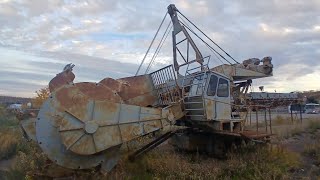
(42, 95)
(312, 99)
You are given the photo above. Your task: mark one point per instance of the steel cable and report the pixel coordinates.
(208, 37)
(151, 44)
(205, 42)
(164, 37)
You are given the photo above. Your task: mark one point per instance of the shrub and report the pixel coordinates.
(7, 119)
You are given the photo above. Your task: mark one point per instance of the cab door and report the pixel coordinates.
(217, 98)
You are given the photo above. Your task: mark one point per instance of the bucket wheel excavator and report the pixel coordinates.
(83, 125)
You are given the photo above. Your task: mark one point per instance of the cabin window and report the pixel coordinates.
(197, 84)
(223, 88)
(212, 87)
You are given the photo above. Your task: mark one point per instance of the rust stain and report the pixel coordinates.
(130, 131)
(106, 112)
(107, 137)
(138, 90)
(84, 146)
(112, 84)
(60, 80)
(151, 126)
(70, 99)
(210, 109)
(98, 91)
(69, 138)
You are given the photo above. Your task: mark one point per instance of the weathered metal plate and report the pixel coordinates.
(107, 137)
(29, 128)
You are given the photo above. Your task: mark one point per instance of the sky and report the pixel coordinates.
(109, 38)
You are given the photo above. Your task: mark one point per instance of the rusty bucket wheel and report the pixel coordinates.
(57, 133)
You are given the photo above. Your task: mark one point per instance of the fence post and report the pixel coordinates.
(257, 120)
(291, 114)
(270, 121)
(250, 116)
(300, 107)
(265, 119)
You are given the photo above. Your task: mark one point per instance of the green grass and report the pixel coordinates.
(7, 119)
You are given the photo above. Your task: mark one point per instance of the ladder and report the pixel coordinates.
(195, 81)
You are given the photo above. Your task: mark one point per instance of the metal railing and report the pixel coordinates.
(165, 83)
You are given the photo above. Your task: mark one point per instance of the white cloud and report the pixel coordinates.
(289, 31)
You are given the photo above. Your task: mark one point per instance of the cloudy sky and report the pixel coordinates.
(108, 38)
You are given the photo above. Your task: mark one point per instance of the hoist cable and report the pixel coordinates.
(164, 37)
(151, 44)
(205, 42)
(208, 37)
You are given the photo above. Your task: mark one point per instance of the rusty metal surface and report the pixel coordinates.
(63, 78)
(49, 140)
(254, 134)
(263, 100)
(249, 69)
(80, 126)
(29, 128)
(138, 90)
(210, 109)
(81, 121)
(165, 83)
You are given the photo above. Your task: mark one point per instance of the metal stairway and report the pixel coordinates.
(193, 85)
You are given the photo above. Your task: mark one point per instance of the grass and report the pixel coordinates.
(7, 119)
(28, 156)
(10, 136)
(313, 126)
(9, 143)
(279, 120)
(313, 149)
(249, 162)
(29, 159)
(263, 162)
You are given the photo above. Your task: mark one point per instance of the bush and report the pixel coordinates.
(7, 119)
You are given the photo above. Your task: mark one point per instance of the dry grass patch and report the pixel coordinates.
(251, 162)
(313, 126)
(9, 142)
(279, 120)
(313, 151)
